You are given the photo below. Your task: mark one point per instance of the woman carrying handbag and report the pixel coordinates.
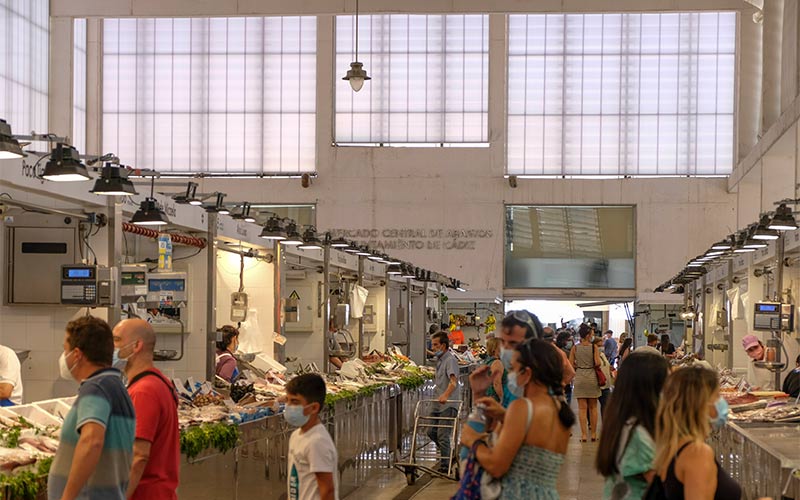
(585, 358)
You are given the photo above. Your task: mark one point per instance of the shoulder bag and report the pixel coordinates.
(601, 377)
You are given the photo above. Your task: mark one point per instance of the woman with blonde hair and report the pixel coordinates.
(686, 466)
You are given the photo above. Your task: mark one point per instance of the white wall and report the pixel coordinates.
(257, 330)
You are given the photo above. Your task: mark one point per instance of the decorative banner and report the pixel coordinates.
(389, 239)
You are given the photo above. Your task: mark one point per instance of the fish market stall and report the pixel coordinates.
(763, 457)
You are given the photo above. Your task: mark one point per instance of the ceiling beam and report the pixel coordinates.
(203, 8)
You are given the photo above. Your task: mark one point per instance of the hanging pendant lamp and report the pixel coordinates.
(356, 75)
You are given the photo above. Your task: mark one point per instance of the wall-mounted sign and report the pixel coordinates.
(388, 239)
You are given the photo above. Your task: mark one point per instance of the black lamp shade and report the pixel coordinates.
(149, 214)
(9, 147)
(65, 165)
(112, 183)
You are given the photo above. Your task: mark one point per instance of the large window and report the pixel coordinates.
(570, 247)
(429, 80)
(24, 49)
(230, 96)
(79, 84)
(621, 94)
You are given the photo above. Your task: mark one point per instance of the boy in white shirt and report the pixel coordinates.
(313, 462)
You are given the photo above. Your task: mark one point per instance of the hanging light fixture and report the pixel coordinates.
(407, 272)
(356, 75)
(65, 165)
(219, 206)
(337, 242)
(725, 244)
(363, 252)
(149, 213)
(763, 232)
(394, 270)
(783, 220)
(352, 248)
(293, 238)
(273, 230)
(113, 181)
(9, 146)
(310, 240)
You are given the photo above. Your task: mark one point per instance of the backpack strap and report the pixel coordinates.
(148, 373)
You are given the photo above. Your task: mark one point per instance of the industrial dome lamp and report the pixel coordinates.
(783, 220)
(149, 213)
(9, 146)
(356, 75)
(65, 165)
(113, 181)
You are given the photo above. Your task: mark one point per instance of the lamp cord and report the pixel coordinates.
(356, 30)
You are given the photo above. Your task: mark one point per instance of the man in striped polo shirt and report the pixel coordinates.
(94, 458)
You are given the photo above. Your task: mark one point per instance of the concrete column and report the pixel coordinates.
(94, 86)
(325, 93)
(789, 74)
(772, 45)
(498, 52)
(748, 86)
(60, 78)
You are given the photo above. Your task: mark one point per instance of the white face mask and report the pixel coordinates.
(64, 369)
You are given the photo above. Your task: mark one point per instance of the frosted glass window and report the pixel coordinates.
(233, 96)
(24, 49)
(79, 85)
(621, 94)
(570, 247)
(429, 79)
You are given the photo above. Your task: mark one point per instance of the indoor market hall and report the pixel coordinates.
(360, 250)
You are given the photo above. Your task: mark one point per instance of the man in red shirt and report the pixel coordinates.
(156, 450)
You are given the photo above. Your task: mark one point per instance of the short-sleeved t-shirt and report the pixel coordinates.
(446, 367)
(10, 373)
(102, 399)
(156, 408)
(636, 459)
(311, 452)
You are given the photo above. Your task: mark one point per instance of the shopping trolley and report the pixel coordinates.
(423, 420)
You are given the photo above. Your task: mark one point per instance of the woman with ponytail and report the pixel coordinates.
(531, 444)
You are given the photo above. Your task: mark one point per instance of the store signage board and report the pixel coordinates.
(344, 260)
(245, 232)
(764, 254)
(741, 262)
(720, 273)
(316, 255)
(792, 240)
(374, 268)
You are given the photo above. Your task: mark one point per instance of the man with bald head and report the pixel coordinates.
(156, 450)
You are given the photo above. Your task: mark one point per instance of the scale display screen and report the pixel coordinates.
(78, 273)
(166, 285)
(767, 308)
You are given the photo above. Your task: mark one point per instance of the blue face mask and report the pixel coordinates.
(514, 387)
(722, 414)
(506, 356)
(121, 363)
(438, 354)
(294, 416)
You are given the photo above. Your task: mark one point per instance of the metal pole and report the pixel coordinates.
(409, 326)
(115, 255)
(361, 320)
(211, 297)
(326, 294)
(728, 286)
(780, 252)
(277, 291)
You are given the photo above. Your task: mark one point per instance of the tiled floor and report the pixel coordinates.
(578, 480)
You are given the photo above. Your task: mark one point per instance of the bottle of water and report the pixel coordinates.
(476, 420)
